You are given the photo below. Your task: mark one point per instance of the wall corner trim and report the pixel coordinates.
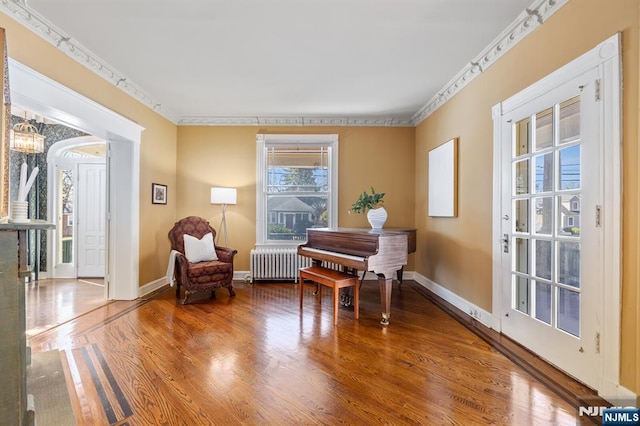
(523, 25)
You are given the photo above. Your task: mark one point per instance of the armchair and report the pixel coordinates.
(201, 276)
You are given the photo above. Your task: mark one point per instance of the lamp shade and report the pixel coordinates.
(223, 195)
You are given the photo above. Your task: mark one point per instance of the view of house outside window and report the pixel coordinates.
(297, 190)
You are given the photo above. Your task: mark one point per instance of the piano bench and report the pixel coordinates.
(334, 279)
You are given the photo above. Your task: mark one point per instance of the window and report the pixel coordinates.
(297, 186)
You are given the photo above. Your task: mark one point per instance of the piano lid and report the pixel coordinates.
(361, 231)
(354, 241)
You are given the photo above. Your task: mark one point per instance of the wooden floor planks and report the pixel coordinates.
(51, 302)
(256, 359)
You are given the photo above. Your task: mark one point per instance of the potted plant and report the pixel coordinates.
(371, 205)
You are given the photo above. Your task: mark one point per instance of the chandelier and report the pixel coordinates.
(25, 138)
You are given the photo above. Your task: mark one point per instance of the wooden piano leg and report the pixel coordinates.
(386, 284)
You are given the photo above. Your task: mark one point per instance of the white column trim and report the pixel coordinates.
(48, 98)
(496, 225)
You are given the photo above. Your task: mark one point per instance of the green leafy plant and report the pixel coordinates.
(367, 202)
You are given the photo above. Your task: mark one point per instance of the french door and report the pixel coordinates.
(552, 273)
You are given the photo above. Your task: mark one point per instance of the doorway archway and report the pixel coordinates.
(43, 96)
(76, 200)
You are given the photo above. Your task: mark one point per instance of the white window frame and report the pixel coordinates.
(265, 140)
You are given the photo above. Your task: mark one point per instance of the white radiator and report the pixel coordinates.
(279, 264)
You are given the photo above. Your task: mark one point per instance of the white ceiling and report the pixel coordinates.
(211, 61)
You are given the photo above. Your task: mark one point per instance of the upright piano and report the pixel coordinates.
(382, 251)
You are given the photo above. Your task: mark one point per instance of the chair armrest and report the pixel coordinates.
(181, 268)
(181, 259)
(225, 254)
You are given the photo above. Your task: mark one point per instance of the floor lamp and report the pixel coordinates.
(223, 196)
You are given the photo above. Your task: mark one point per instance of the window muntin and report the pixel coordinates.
(297, 177)
(547, 178)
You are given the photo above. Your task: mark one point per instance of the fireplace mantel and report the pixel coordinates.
(13, 351)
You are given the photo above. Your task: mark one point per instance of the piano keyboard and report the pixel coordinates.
(336, 254)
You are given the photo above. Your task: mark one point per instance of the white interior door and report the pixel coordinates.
(552, 269)
(91, 219)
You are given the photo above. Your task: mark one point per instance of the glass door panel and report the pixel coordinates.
(65, 216)
(546, 256)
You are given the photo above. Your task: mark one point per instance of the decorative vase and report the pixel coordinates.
(377, 217)
(19, 211)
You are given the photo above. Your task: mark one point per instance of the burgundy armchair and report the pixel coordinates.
(202, 276)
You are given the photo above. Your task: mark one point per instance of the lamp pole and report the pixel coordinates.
(223, 196)
(223, 225)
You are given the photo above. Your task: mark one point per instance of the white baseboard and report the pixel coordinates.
(484, 317)
(161, 282)
(42, 275)
(246, 275)
(152, 286)
(409, 275)
(618, 395)
(611, 391)
(242, 276)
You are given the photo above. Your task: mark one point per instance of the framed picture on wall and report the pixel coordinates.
(158, 193)
(443, 180)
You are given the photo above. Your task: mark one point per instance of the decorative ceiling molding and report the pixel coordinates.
(18, 10)
(293, 121)
(524, 24)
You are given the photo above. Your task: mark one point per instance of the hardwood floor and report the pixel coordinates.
(51, 302)
(256, 359)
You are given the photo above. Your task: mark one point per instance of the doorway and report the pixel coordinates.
(557, 218)
(35, 92)
(551, 274)
(78, 205)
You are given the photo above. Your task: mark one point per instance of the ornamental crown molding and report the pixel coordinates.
(18, 10)
(294, 121)
(524, 24)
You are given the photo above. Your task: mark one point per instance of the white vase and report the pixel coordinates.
(377, 217)
(19, 211)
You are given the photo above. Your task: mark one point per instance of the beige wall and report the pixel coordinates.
(382, 157)
(158, 147)
(226, 156)
(456, 253)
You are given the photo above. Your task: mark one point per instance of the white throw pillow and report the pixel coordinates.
(199, 250)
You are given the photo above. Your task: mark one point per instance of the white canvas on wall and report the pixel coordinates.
(443, 180)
